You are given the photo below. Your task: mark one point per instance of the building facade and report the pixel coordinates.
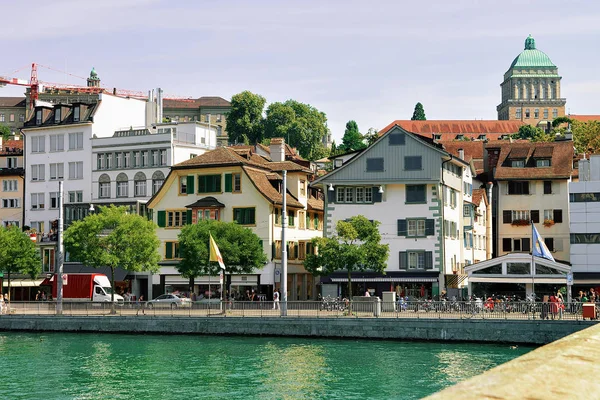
(12, 176)
(531, 89)
(12, 112)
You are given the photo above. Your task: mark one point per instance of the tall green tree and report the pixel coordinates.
(240, 248)
(354, 246)
(301, 125)
(561, 120)
(245, 119)
(5, 132)
(534, 134)
(586, 136)
(114, 238)
(371, 136)
(352, 139)
(419, 113)
(18, 254)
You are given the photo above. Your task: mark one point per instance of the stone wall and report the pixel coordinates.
(508, 331)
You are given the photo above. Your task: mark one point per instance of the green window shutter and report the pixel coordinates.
(273, 250)
(228, 183)
(202, 184)
(190, 184)
(168, 250)
(403, 263)
(402, 227)
(307, 220)
(296, 250)
(251, 216)
(428, 260)
(430, 227)
(188, 217)
(377, 197)
(316, 221)
(161, 217)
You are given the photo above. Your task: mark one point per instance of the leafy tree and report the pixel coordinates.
(18, 254)
(245, 120)
(371, 136)
(114, 238)
(353, 247)
(586, 136)
(534, 134)
(561, 120)
(301, 125)
(5, 132)
(419, 113)
(240, 248)
(352, 139)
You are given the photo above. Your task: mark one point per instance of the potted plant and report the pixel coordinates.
(548, 222)
(520, 222)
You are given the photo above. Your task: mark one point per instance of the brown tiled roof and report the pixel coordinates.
(207, 101)
(286, 165)
(543, 152)
(262, 184)
(473, 151)
(12, 147)
(449, 129)
(479, 194)
(585, 118)
(518, 153)
(315, 204)
(561, 164)
(217, 157)
(12, 102)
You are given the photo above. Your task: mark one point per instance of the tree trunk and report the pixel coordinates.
(9, 296)
(113, 310)
(349, 291)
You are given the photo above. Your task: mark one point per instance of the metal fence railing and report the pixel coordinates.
(316, 309)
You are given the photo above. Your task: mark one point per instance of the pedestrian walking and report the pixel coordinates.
(276, 300)
(141, 306)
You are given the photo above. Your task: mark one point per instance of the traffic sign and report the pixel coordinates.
(570, 279)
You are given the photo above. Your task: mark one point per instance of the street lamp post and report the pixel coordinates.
(59, 252)
(284, 296)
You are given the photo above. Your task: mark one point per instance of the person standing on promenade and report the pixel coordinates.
(141, 305)
(276, 300)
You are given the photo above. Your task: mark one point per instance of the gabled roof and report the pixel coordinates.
(316, 204)
(217, 157)
(561, 161)
(262, 184)
(451, 129)
(478, 195)
(12, 102)
(206, 101)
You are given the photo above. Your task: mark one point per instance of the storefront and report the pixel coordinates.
(422, 285)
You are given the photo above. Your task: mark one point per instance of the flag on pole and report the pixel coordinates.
(539, 247)
(215, 254)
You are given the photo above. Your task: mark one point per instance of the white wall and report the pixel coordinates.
(116, 113)
(585, 218)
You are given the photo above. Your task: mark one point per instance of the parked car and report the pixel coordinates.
(170, 300)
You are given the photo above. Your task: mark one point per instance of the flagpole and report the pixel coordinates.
(532, 263)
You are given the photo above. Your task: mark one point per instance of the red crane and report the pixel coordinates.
(33, 84)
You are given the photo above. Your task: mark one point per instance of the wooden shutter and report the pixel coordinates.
(377, 197)
(330, 195)
(535, 216)
(296, 250)
(507, 244)
(190, 184)
(161, 218)
(251, 216)
(549, 243)
(526, 244)
(188, 217)
(506, 217)
(402, 227)
(430, 227)
(168, 250)
(273, 250)
(403, 261)
(428, 260)
(228, 183)
(558, 218)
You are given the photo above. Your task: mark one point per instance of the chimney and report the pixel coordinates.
(461, 154)
(277, 148)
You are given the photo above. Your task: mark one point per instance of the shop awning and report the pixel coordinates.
(388, 279)
(557, 280)
(23, 282)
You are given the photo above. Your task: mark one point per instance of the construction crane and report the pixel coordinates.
(33, 84)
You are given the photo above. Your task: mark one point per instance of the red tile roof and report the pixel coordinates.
(585, 118)
(450, 129)
(207, 101)
(12, 102)
(473, 151)
(561, 164)
(262, 184)
(478, 195)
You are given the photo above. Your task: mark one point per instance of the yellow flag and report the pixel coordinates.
(215, 254)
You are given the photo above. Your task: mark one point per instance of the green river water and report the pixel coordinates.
(111, 366)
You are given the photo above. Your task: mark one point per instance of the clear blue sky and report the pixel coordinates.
(370, 61)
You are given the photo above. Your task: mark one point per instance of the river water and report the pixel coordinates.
(111, 366)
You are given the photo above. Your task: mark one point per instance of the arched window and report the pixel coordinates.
(122, 185)
(140, 184)
(158, 178)
(104, 186)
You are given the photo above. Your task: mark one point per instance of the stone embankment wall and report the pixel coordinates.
(506, 331)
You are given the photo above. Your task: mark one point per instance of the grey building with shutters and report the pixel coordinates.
(417, 191)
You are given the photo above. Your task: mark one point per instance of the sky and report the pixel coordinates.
(368, 61)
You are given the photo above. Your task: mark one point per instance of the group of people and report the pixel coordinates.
(4, 304)
(42, 296)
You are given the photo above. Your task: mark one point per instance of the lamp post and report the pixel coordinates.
(284, 296)
(59, 252)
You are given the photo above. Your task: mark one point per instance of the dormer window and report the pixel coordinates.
(38, 117)
(76, 114)
(544, 162)
(460, 137)
(57, 115)
(517, 163)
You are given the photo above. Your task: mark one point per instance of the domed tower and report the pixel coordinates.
(93, 80)
(531, 89)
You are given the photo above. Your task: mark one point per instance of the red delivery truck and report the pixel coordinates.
(85, 287)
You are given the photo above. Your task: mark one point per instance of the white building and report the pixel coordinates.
(131, 165)
(58, 147)
(584, 214)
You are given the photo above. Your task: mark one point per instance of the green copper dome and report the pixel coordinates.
(93, 73)
(531, 57)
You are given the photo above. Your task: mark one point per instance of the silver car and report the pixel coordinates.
(170, 300)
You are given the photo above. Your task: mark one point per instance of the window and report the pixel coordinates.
(38, 172)
(118, 160)
(12, 118)
(12, 162)
(136, 159)
(291, 218)
(57, 171)
(547, 187)
(109, 161)
(553, 215)
(218, 117)
(57, 115)
(37, 225)
(2, 117)
(554, 113)
(76, 141)
(244, 216)
(527, 113)
(301, 219)
(466, 210)
(520, 215)
(145, 161)
(156, 185)
(123, 189)
(360, 194)
(21, 119)
(545, 113)
(416, 228)
(416, 260)
(412, 163)
(183, 185)
(209, 183)
(518, 187)
(374, 164)
(277, 213)
(9, 185)
(155, 157)
(542, 163)
(207, 214)
(127, 160)
(302, 187)
(48, 258)
(53, 200)
(104, 190)
(176, 218)
(57, 142)
(76, 196)
(100, 161)
(517, 163)
(317, 222)
(76, 111)
(237, 183)
(518, 113)
(139, 185)
(38, 144)
(163, 157)
(416, 194)
(76, 170)
(536, 113)
(11, 203)
(37, 201)
(396, 139)
(341, 195)
(349, 195)
(207, 118)
(38, 117)
(171, 250)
